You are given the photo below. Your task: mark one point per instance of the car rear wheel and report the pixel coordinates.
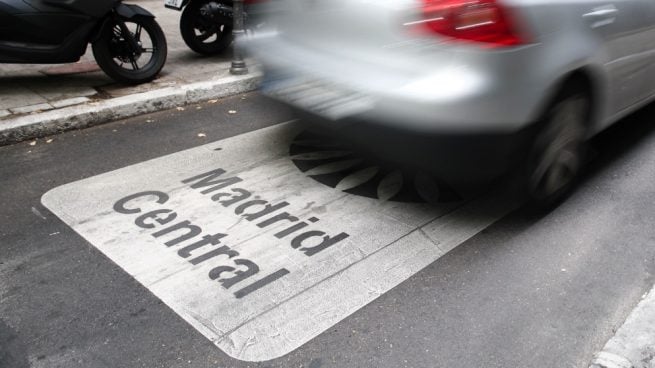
(556, 156)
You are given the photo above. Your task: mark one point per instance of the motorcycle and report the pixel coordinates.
(206, 25)
(128, 44)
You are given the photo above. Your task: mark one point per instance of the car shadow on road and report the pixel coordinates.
(621, 139)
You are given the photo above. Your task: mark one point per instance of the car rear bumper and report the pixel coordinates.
(453, 157)
(448, 96)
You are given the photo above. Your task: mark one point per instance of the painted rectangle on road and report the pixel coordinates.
(264, 240)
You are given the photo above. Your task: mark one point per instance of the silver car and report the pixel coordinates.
(520, 83)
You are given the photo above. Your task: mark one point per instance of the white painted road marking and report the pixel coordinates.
(250, 251)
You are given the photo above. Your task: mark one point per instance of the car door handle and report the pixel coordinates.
(602, 12)
(601, 16)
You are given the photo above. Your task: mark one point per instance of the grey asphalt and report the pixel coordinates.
(528, 291)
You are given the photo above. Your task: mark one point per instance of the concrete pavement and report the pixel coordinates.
(39, 100)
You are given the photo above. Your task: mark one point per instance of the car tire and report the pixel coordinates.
(555, 158)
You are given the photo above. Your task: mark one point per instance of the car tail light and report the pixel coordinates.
(487, 22)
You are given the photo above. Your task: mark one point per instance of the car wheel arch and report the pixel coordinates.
(586, 78)
(548, 130)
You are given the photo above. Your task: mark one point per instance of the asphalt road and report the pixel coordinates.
(525, 292)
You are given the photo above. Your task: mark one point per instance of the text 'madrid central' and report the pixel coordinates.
(253, 253)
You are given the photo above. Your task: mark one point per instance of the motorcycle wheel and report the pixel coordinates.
(120, 61)
(203, 35)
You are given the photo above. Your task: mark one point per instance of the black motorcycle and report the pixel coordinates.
(127, 42)
(206, 25)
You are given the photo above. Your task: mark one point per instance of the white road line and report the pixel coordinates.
(250, 251)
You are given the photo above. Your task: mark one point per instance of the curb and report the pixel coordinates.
(633, 345)
(95, 113)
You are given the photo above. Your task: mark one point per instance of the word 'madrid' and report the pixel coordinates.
(190, 238)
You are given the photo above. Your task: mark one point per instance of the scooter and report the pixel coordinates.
(206, 25)
(128, 44)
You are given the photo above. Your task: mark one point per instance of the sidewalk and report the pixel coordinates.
(38, 100)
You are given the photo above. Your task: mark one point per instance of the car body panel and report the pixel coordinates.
(362, 59)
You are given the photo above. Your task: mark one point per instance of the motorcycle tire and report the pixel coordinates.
(113, 52)
(202, 35)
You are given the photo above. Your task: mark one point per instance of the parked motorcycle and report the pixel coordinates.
(128, 44)
(206, 25)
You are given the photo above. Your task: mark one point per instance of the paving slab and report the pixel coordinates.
(13, 96)
(31, 108)
(70, 102)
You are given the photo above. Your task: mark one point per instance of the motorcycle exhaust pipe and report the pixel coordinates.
(214, 11)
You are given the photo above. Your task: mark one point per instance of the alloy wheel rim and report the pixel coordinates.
(122, 52)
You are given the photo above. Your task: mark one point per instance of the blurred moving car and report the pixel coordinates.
(496, 83)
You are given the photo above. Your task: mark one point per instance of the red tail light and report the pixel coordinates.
(483, 21)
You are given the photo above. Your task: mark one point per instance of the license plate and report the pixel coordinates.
(175, 4)
(325, 99)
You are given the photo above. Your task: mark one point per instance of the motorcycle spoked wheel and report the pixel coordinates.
(120, 61)
(203, 35)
